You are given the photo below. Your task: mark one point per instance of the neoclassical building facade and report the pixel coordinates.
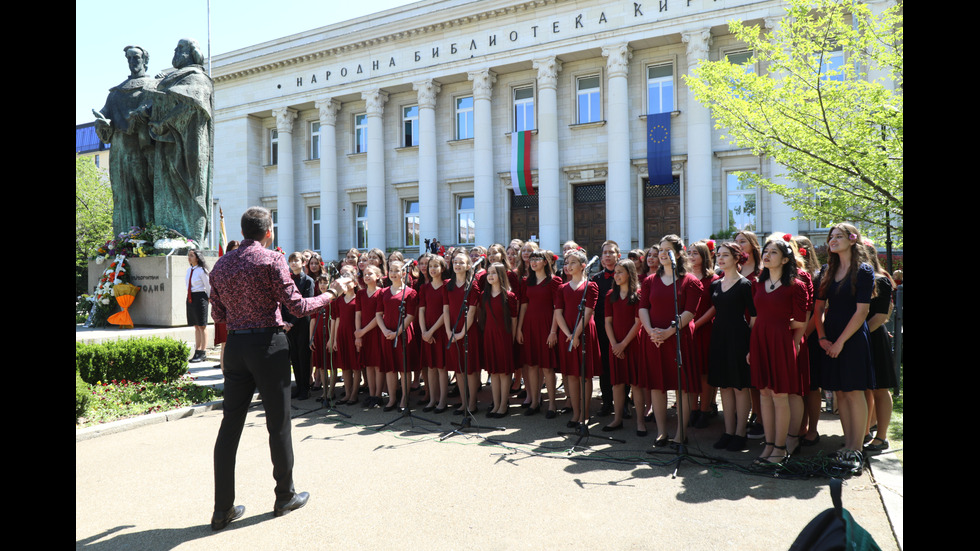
(394, 128)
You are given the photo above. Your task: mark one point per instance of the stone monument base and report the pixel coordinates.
(162, 300)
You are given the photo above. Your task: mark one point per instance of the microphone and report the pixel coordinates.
(673, 261)
(478, 262)
(591, 262)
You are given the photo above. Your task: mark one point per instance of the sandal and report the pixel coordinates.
(872, 447)
(763, 461)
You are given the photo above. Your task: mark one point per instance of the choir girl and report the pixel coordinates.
(398, 347)
(459, 359)
(537, 332)
(432, 322)
(659, 324)
(367, 338)
(731, 299)
(701, 255)
(622, 327)
(579, 335)
(498, 315)
(843, 302)
(346, 357)
(780, 304)
(880, 398)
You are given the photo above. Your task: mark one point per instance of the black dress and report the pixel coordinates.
(851, 370)
(730, 335)
(881, 343)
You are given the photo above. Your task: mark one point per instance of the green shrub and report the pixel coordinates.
(81, 396)
(153, 359)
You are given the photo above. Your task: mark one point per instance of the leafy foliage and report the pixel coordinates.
(152, 359)
(119, 399)
(93, 216)
(833, 121)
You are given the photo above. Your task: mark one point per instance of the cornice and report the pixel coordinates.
(390, 37)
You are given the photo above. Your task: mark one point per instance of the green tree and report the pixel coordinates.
(93, 216)
(826, 104)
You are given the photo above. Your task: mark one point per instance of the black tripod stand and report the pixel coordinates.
(467, 422)
(582, 430)
(406, 412)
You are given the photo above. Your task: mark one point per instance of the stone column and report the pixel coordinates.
(618, 207)
(781, 215)
(428, 167)
(286, 192)
(698, 198)
(377, 225)
(549, 228)
(483, 197)
(329, 223)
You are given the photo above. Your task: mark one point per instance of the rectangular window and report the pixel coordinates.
(360, 133)
(315, 140)
(360, 225)
(464, 118)
(410, 123)
(741, 204)
(275, 227)
(465, 212)
(524, 109)
(412, 223)
(589, 99)
(742, 58)
(273, 147)
(832, 64)
(660, 89)
(315, 227)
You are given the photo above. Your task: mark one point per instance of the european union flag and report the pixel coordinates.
(658, 149)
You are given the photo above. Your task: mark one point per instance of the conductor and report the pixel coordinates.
(247, 286)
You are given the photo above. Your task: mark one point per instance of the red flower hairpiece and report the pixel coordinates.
(711, 244)
(803, 252)
(579, 248)
(853, 237)
(787, 237)
(555, 257)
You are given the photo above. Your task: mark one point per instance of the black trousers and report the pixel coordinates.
(300, 355)
(259, 360)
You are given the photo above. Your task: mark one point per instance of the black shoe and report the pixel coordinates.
(535, 410)
(296, 502)
(703, 420)
(641, 433)
(437, 411)
(661, 442)
(737, 444)
(220, 520)
(649, 418)
(551, 414)
(756, 431)
(197, 357)
(427, 409)
(572, 424)
(695, 416)
(610, 428)
(724, 441)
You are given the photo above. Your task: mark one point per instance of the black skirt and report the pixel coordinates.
(197, 309)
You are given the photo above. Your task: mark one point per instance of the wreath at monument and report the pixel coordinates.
(141, 242)
(103, 302)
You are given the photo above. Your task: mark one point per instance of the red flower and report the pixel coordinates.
(787, 237)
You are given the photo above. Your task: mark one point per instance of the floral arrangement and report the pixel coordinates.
(102, 302)
(141, 242)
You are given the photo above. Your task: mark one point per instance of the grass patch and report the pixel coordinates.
(896, 427)
(116, 400)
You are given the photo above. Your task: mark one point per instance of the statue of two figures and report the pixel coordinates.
(162, 132)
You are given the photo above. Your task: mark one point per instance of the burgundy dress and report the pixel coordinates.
(391, 356)
(772, 357)
(498, 340)
(803, 357)
(516, 287)
(661, 362)
(702, 335)
(567, 300)
(346, 355)
(455, 357)
(629, 369)
(321, 334)
(434, 354)
(539, 313)
(368, 305)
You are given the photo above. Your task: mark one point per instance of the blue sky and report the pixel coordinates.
(104, 27)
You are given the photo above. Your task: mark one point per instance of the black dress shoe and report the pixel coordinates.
(641, 432)
(220, 520)
(427, 409)
(610, 428)
(551, 414)
(296, 502)
(572, 424)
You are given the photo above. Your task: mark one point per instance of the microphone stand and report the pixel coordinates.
(467, 422)
(582, 430)
(680, 447)
(406, 412)
(328, 399)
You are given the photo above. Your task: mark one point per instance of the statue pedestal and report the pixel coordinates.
(162, 300)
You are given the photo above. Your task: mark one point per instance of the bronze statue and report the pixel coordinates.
(122, 123)
(181, 123)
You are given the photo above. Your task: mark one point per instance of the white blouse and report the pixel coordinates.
(198, 279)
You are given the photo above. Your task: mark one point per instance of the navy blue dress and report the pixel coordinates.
(852, 369)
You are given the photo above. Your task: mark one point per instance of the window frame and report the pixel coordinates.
(273, 146)
(314, 140)
(470, 214)
(747, 192)
(315, 215)
(468, 113)
(521, 107)
(660, 81)
(408, 218)
(359, 135)
(359, 222)
(410, 138)
(578, 98)
(275, 228)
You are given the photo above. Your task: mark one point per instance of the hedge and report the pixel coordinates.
(81, 397)
(154, 359)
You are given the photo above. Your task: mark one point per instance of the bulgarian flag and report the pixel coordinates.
(222, 235)
(520, 162)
